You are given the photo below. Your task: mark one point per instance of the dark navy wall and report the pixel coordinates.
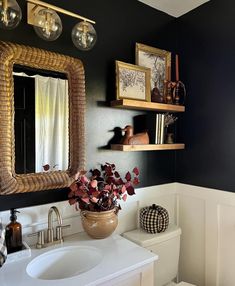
(207, 42)
(120, 24)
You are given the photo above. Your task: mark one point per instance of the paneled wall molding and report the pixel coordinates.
(211, 243)
(207, 219)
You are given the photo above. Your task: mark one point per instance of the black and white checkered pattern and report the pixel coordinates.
(3, 248)
(154, 219)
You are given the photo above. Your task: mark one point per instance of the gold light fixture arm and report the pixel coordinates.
(34, 5)
(4, 4)
(4, 16)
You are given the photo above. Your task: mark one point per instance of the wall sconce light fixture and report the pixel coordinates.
(48, 26)
(10, 14)
(84, 36)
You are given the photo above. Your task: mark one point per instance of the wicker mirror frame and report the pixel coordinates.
(10, 54)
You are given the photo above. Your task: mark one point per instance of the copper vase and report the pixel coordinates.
(99, 224)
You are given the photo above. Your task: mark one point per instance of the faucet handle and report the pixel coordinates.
(40, 234)
(50, 235)
(66, 226)
(59, 231)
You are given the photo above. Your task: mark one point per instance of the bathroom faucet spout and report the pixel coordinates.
(50, 215)
(50, 232)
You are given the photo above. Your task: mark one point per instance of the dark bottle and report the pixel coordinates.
(13, 234)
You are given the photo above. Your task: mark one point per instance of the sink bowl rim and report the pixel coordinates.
(65, 249)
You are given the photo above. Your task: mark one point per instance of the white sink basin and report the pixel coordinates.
(64, 262)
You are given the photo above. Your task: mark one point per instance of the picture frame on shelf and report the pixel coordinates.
(159, 62)
(132, 82)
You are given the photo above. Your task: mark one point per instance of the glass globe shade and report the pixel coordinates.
(84, 36)
(47, 25)
(10, 14)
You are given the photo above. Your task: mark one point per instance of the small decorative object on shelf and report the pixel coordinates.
(168, 88)
(168, 92)
(169, 120)
(169, 138)
(97, 197)
(130, 139)
(132, 81)
(159, 61)
(179, 91)
(156, 96)
(159, 128)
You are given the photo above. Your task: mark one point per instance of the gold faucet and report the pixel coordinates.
(50, 230)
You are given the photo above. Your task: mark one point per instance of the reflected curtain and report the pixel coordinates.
(51, 123)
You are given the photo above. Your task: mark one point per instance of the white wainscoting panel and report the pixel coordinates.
(226, 245)
(207, 219)
(192, 223)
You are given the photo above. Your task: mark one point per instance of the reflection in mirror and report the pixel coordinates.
(41, 120)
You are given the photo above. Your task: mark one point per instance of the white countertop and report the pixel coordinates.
(119, 256)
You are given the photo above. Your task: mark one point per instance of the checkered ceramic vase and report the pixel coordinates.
(154, 219)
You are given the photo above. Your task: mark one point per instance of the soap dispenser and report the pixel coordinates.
(13, 233)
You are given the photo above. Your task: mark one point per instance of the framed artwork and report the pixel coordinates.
(159, 61)
(132, 82)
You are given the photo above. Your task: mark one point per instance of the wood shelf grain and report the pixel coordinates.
(149, 147)
(144, 105)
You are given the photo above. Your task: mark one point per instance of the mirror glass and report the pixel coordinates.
(41, 120)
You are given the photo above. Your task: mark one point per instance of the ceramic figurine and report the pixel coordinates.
(156, 96)
(130, 138)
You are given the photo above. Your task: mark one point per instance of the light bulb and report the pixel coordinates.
(10, 14)
(47, 25)
(84, 36)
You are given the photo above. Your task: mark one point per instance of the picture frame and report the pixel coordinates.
(132, 82)
(159, 61)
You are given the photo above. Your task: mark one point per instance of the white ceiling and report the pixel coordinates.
(174, 8)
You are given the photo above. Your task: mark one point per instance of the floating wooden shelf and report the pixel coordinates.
(149, 147)
(144, 105)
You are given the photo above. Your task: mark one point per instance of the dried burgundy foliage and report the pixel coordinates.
(128, 176)
(130, 190)
(95, 172)
(135, 181)
(102, 190)
(46, 167)
(116, 174)
(136, 171)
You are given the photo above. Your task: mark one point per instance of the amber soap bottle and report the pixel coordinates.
(13, 233)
